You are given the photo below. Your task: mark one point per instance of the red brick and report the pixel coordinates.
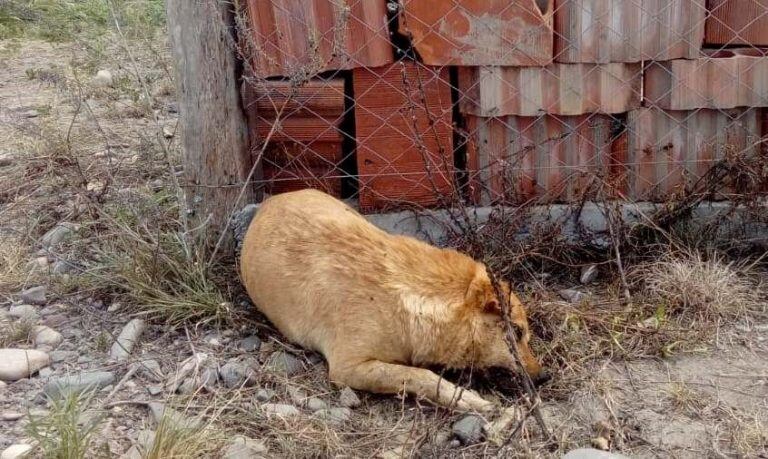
(404, 135)
(737, 22)
(601, 31)
(479, 32)
(557, 89)
(299, 37)
(669, 150)
(303, 127)
(721, 79)
(515, 159)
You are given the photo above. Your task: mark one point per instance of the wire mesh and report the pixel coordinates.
(434, 103)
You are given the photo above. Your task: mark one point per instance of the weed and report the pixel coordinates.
(66, 431)
(18, 332)
(182, 438)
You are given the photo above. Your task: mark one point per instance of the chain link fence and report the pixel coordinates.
(443, 103)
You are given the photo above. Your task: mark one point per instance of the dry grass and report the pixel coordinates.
(698, 289)
(17, 332)
(66, 432)
(749, 437)
(14, 264)
(191, 439)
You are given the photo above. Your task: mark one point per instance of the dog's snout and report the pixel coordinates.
(542, 377)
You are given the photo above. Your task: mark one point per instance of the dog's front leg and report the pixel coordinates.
(387, 378)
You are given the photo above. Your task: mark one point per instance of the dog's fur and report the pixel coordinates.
(377, 306)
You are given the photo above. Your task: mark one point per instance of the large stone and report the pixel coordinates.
(34, 295)
(282, 362)
(334, 415)
(16, 364)
(250, 344)
(58, 234)
(23, 311)
(592, 453)
(316, 404)
(469, 429)
(129, 336)
(47, 337)
(245, 448)
(348, 398)
(16, 451)
(237, 374)
(280, 409)
(74, 384)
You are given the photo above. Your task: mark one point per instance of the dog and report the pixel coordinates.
(379, 307)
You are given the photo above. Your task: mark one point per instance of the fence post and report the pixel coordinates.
(214, 132)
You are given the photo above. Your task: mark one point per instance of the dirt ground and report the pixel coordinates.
(72, 143)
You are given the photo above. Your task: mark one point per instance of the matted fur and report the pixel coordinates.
(379, 307)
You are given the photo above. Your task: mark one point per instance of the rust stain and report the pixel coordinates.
(599, 31)
(478, 32)
(731, 78)
(737, 22)
(404, 135)
(557, 89)
(298, 37)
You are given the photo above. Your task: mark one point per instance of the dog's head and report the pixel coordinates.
(491, 348)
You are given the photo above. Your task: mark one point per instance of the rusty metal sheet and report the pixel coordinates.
(479, 32)
(737, 22)
(668, 150)
(404, 135)
(516, 159)
(294, 38)
(729, 78)
(557, 89)
(601, 31)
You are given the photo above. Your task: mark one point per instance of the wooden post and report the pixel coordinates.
(213, 126)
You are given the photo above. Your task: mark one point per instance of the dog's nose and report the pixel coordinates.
(542, 377)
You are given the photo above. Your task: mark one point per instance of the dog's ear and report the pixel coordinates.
(480, 293)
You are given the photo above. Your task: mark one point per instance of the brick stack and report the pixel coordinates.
(552, 100)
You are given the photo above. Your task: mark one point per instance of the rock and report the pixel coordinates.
(160, 413)
(45, 372)
(588, 274)
(73, 384)
(24, 311)
(63, 356)
(114, 307)
(2, 385)
(58, 234)
(62, 267)
(600, 443)
(280, 409)
(34, 295)
(16, 451)
(316, 404)
(16, 364)
(572, 296)
(11, 416)
(237, 374)
(348, 398)
(156, 185)
(48, 337)
(154, 390)
(282, 362)
(265, 395)
(168, 132)
(103, 79)
(591, 453)
(150, 368)
(6, 160)
(334, 415)
(41, 262)
(129, 336)
(298, 396)
(469, 429)
(146, 439)
(250, 344)
(241, 220)
(189, 367)
(245, 448)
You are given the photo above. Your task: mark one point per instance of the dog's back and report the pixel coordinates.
(322, 273)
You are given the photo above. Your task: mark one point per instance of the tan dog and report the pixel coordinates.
(377, 306)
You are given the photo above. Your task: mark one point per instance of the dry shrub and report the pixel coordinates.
(695, 289)
(190, 439)
(13, 264)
